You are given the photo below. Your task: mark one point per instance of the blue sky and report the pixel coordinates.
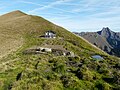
(74, 15)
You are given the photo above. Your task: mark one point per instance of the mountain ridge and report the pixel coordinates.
(32, 65)
(112, 40)
(34, 27)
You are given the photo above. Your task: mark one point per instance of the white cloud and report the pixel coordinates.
(27, 2)
(51, 5)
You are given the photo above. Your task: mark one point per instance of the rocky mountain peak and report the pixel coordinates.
(106, 32)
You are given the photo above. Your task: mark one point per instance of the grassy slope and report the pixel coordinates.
(10, 39)
(52, 72)
(37, 26)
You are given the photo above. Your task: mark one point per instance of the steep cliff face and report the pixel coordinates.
(113, 38)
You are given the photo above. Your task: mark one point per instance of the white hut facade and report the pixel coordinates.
(50, 34)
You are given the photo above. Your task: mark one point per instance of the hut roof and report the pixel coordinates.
(50, 31)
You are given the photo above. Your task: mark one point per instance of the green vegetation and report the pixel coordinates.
(19, 71)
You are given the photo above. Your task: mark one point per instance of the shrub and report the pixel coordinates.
(60, 68)
(102, 86)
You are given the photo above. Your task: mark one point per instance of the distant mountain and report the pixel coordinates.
(105, 39)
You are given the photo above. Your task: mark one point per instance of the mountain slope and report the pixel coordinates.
(37, 70)
(105, 39)
(17, 24)
(9, 38)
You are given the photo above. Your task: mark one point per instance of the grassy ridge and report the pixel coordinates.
(47, 71)
(58, 72)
